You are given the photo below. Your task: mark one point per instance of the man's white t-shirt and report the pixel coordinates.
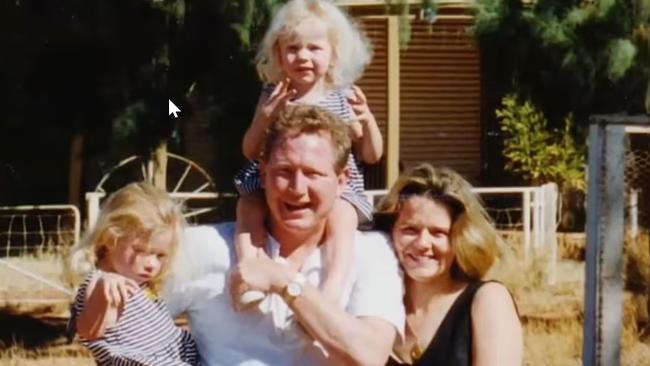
(268, 334)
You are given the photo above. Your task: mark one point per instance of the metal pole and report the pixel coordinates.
(604, 267)
(611, 276)
(591, 346)
(526, 199)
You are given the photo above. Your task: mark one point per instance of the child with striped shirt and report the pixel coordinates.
(312, 53)
(117, 312)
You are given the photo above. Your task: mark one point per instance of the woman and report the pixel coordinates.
(446, 244)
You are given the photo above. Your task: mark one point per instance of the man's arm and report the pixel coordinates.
(199, 269)
(363, 335)
(355, 340)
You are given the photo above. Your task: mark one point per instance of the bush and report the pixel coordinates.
(538, 154)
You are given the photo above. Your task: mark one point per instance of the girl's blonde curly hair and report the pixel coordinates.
(351, 48)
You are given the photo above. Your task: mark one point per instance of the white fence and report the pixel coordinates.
(28, 231)
(93, 200)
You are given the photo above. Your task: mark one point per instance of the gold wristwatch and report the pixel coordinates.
(294, 288)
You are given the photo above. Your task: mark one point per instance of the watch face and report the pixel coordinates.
(294, 289)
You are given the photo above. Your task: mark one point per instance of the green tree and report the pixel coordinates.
(541, 154)
(536, 152)
(69, 69)
(103, 71)
(570, 56)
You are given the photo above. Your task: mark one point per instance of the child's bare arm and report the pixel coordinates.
(369, 144)
(105, 298)
(251, 235)
(342, 224)
(268, 107)
(251, 232)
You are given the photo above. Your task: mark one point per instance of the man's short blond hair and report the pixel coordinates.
(310, 119)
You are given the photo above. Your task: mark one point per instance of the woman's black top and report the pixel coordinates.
(452, 343)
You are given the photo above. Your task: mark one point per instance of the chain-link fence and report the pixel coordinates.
(637, 184)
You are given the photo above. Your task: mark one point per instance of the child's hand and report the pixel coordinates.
(116, 288)
(359, 104)
(364, 130)
(258, 273)
(104, 302)
(277, 100)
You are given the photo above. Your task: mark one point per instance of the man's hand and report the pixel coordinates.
(259, 273)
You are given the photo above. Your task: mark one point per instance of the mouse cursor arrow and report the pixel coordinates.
(173, 109)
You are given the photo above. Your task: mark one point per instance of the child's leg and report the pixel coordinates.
(342, 224)
(251, 234)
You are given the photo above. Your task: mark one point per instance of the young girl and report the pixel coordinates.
(117, 312)
(312, 53)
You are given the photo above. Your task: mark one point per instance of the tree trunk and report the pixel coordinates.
(647, 98)
(160, 166)
(76, 167)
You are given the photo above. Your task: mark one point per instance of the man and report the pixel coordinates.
(303, 172)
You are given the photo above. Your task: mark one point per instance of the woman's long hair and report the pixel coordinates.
(474, 239)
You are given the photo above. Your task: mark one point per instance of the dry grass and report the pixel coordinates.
(32, 332)
(16, 287)
(35, 335)
(71, 355)
(552, 315)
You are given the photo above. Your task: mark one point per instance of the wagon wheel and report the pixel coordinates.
(185, 180)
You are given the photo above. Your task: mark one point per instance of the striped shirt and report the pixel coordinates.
(247, 180)
(144, 335)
